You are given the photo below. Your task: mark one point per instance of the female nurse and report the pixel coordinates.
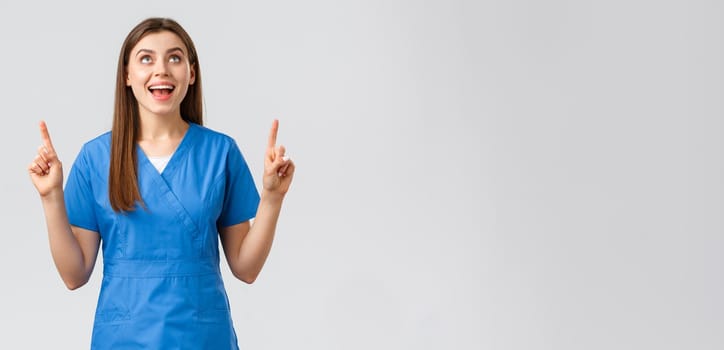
(157, 192)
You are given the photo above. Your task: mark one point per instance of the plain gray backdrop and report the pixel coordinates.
(499, 174)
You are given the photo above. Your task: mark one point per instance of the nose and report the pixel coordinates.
(160, 68)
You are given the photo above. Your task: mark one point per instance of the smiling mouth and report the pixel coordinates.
(161, 90)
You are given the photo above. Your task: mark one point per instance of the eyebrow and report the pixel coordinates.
(167, 51)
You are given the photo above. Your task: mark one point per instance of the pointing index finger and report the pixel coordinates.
(45, 136)
(273, 133)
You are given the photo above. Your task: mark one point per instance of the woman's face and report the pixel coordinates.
(159, 74)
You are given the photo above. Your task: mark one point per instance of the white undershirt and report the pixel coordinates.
(159, 162)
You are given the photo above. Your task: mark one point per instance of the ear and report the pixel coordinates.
(192, 72)
(128, 80)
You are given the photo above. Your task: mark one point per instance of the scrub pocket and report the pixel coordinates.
(213, 304)
(111, 307)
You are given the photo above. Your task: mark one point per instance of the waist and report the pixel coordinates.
(159, 268)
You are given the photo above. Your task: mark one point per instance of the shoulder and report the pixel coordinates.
(101, 144)
(95, 153)
(214, 139)
(215, 146)
(212, 134)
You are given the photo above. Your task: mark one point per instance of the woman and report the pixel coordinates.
(157, 191)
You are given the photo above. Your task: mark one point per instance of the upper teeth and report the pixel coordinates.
(161, 87)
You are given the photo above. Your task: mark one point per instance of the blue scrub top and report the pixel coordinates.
(162, 287)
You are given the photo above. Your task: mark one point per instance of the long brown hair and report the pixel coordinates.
(123, 190)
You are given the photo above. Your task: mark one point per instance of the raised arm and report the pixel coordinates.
(246, 245)
(74, 249)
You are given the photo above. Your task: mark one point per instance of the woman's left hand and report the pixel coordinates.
(278, 168)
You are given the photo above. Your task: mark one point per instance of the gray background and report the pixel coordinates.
(471, 174)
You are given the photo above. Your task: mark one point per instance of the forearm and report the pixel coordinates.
(255, 248)
(64, 246)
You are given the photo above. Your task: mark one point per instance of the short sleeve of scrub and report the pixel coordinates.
(241, 197)
(79, 199)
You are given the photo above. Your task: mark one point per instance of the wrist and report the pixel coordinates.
(52, 195)
(272, 197)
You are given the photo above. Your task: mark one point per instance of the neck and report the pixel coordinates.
(156, 127)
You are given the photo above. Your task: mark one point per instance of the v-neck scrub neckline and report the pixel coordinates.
(177, 153)
(159, 162)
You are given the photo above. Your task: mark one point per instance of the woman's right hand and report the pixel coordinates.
(46, 170)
